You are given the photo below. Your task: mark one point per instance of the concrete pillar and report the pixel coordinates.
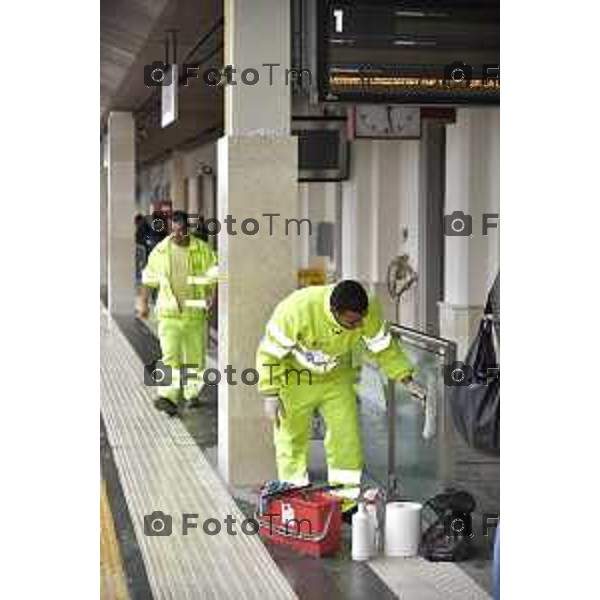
(316, 213)
(208, 195)
(257, 171)
(334, 215)
(318, 203)
(103, 228)
(383, 203)
(349, 226)
(193, 195)
(359, 229)
(387, 240)
(472, 186)
(177, 181)
(360, 214)
(371, 222)
(408, 191)
(121, 211)
(378, 204)
(330, 216)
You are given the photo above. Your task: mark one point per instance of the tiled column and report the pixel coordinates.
(256, 174)
(472, 186)
(193, 195)
(121, 210)
(208, 192)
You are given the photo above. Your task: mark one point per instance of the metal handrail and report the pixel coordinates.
(426, 338)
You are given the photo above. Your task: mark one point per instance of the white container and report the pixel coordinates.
(363, 534)
(402, 528)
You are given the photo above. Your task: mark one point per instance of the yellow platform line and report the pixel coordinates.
(112, 577)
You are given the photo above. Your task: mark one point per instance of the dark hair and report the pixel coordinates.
(180, 217)
(349, 295)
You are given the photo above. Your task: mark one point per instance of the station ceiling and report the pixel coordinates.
(133, 35)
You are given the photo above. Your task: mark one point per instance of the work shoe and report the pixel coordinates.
(196, 402)
(167, 406)
(193, 402)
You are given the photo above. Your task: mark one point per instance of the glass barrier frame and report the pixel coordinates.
(446, 350)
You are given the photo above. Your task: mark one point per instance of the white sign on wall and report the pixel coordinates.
(169, 98)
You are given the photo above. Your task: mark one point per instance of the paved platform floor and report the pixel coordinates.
(309, 578)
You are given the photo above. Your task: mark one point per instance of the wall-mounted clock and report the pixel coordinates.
(387, 121)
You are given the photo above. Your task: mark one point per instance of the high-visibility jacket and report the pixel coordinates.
(303, 335)
(202, 277)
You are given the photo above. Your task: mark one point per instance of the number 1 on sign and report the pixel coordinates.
(338, 15)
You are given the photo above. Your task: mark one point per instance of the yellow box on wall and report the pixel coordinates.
(313, 276)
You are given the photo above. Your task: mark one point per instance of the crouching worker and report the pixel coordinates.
(184, 270)
(305, 363)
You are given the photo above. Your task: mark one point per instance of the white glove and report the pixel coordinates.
(417, 390)
(273, 408)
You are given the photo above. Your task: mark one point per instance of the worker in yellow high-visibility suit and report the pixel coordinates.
(184, 269)
(305, 362)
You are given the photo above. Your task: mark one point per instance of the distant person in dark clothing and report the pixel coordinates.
(141, 249)
(140, 229)
(156, 229)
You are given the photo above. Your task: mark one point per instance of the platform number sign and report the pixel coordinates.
(338, 15)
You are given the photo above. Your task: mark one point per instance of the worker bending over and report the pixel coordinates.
(307, 361)
(184, 269)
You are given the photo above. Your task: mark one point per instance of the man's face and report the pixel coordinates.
(178, 231)
(349, 319)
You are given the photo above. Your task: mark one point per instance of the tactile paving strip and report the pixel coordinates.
(419, 579)
(161, 468)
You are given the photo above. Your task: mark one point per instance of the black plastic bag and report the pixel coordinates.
(448, 538)
(475, 403)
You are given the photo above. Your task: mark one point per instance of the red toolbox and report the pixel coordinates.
(309, 521)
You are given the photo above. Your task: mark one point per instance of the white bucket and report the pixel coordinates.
(402, 528)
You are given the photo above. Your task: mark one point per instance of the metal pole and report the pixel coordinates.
(392, 482)
(445, 425)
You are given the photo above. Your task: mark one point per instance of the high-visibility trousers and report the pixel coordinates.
(183, 346)
(335, 399)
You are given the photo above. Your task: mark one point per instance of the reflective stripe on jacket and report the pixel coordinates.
(202, 277)
(303, 334)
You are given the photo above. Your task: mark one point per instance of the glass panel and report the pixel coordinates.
(417, 468)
